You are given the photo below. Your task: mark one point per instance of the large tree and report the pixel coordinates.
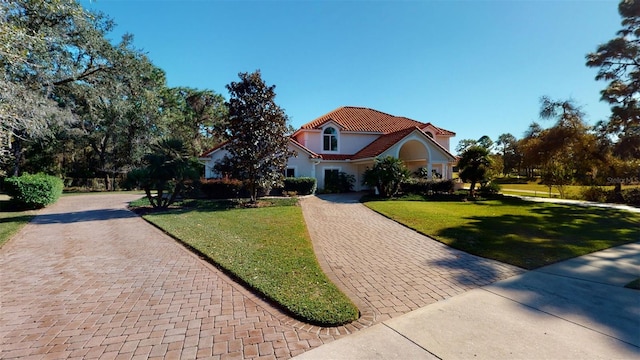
(57, 59)
(256, 133)
(567, 150)
(618, 63)
(510, 153)
(195, 116)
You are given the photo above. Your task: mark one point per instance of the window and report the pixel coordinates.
(290, 172)
(330, 139)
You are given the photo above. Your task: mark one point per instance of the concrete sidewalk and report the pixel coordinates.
(576, 309)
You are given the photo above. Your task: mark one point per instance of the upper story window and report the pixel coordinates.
(330, 139)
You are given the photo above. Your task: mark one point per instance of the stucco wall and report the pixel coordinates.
(348, 143)
(208, 166)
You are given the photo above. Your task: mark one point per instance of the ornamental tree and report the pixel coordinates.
(386, 175)
(474, 165)
(256, 134)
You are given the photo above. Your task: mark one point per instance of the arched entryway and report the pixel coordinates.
(414, 154)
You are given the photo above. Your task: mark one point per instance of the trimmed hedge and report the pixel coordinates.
(300, 185)
(34, 191)
(424, 187)
(222, 188)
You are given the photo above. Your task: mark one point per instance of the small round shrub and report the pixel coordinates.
(33, 191)
(491, 188)
(594, 193)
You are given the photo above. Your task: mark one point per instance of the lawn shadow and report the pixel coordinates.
(551, 234)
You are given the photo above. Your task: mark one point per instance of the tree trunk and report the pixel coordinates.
(17, 156)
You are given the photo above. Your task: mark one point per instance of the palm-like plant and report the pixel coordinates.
(474, 164)
(167, 169)
(386, 175)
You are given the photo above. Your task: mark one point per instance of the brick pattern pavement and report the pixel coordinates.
(88, 279)
(387, 268)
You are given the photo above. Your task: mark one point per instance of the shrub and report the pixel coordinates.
(34, 191)
(443, 186)
(631, 196)
(342, 182)
(222, 188)
(387, 175)
(424, 187)
(490, 188)
(300, 185)
(594, 193)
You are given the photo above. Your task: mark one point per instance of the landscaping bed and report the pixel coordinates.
(267, 247)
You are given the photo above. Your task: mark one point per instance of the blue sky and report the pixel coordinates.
(472, 67)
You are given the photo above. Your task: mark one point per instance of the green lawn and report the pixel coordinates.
(11, 221)
(533, 188)
(268, 248)
(525, 234)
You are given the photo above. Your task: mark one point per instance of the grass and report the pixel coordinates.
(11, 221)
(533, 188)
(268, 248)
(514, 231)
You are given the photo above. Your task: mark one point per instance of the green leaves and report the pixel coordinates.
(34, 191)
(256, 131)
(386, 175)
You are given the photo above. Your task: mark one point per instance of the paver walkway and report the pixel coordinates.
(89, 279)
(387, 267)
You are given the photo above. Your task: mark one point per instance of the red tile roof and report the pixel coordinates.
(352, 118)
(311, 153)
(208, 152)
(382, 143)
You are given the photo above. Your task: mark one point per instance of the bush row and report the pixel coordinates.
(33, 191)
(424, 187)
(598, 194)
(231, 188)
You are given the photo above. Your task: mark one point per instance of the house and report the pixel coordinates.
(348, 139)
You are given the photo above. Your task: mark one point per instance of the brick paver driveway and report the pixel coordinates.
(387, 268)
(89, 279)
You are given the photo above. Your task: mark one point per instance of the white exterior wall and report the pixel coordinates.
(303, 165)
(348, 143)
(209, 173)
(351, 143)
(444, 141)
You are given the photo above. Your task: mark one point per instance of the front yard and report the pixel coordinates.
(521, 233)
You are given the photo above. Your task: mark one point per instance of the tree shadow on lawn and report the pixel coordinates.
(550, 234)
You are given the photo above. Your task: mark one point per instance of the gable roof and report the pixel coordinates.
(384, 142)
(207, 153)
(360, 119)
